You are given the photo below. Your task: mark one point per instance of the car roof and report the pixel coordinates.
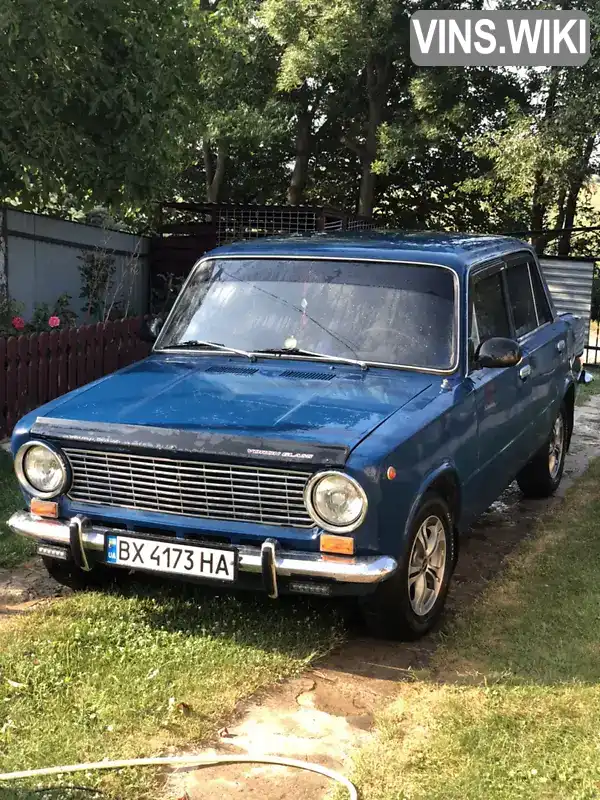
(460, 251)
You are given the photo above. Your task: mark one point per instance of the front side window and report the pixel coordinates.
(489, 312)
(398, 314)
(520, 292)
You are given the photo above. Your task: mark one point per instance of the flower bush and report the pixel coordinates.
(44, 318)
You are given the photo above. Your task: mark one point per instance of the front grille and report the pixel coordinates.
(192, 488)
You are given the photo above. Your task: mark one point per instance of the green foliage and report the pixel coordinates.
(97, 272)
(165, 292)
(96, 101)
(13, 324)
(9, 309)
(108, 107)
(44, 312)
(14, 549)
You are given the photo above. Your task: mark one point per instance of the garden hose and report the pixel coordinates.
(185, 761)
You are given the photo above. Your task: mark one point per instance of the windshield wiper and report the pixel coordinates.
(299, 351)
(213, 345)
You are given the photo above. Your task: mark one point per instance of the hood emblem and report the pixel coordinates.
(280, 454)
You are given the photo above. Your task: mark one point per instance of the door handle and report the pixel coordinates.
(525, 372)
(560, 346)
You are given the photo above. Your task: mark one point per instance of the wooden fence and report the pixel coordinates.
(38, 367)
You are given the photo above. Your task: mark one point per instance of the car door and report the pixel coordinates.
(543, 340)
(502, 395)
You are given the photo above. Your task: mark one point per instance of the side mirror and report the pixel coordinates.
(150, 329)
(498, 352)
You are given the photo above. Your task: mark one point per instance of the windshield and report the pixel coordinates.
(378, 312)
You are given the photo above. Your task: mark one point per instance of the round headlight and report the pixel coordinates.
(41, 470)
(335, 501)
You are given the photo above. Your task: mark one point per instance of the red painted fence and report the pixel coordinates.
(41, 366)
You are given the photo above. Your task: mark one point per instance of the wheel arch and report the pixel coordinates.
(443, 481)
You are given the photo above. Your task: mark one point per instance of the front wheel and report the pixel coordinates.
(542, 475)
(407, 605)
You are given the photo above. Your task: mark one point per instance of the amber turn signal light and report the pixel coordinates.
(44, 508)
(337, 544)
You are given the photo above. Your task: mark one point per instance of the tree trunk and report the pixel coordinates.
(214, 174)
(538, 213)
(378, 74)
(560, 216)
(299, 179)
(208, 165)
(539, 207)
(564, 244)
(366, 195)
(307, 108)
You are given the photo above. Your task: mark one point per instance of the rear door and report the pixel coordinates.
(502, 396)
(543, 339)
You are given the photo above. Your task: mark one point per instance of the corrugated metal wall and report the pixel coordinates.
(570, 284)
(42, 259)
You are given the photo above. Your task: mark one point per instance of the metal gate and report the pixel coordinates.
(570, 282)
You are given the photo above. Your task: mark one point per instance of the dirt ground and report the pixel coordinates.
(22, 589)
(328, 712)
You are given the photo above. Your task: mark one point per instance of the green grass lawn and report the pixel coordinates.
(13, 549)
(511, 706)
(586, 390)
(135, 673)
(95, 676)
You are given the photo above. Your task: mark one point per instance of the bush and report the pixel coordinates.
(9, 310)
(45, 317)
(165, 292)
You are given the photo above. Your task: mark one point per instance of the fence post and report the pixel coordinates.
(32, 373)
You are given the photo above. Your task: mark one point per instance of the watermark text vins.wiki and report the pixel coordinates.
(499, 38)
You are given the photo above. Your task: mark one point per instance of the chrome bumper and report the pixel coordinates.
(293, 563)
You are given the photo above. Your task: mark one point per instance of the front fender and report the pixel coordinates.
(444, 475)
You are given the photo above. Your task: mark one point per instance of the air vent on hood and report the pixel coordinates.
(233, 370)
(307, 376)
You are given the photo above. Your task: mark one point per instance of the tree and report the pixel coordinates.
(360, 43)
(236, 70)
(436, 177)
(545, 147)
(97, 100)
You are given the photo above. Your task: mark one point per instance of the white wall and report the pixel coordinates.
(42, 259)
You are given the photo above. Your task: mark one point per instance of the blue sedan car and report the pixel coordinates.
(320, 415)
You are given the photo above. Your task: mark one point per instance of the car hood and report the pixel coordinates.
(279, 399)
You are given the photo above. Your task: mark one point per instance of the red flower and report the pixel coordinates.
(54, 322)
(18, 323)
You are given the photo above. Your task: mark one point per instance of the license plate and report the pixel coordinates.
(177, 559)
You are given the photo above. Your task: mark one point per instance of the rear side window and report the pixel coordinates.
(541, 301)
(520, 292)
(490, 316)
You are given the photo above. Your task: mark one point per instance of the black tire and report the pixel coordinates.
(389, 612)
(67, 573)
(541, 476)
